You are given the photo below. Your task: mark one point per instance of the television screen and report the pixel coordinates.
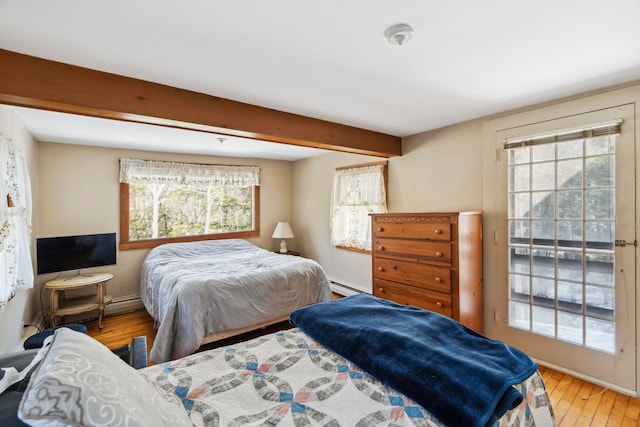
(55, 254)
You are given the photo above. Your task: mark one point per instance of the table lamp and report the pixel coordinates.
(283, 231)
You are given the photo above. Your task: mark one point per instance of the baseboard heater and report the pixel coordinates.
(342, 289)
(124, 304)
(119, 305)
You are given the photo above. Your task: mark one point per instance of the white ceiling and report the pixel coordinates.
(329, 59)
(83, 130)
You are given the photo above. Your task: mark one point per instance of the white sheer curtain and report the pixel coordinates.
(357, 192)
(135, 171)
(16, 268)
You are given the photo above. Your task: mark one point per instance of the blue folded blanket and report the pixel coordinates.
(458, 375)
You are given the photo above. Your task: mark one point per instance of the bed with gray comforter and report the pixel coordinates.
(196, 289)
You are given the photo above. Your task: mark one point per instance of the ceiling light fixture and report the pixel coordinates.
(399, 34)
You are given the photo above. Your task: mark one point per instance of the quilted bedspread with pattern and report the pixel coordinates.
(287, 379)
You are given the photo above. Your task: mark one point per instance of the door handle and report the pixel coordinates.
(623, 243)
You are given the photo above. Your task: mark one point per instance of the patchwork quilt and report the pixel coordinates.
(288, 379)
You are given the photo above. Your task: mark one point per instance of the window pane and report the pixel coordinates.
(570, 265)
(165, 210)
(600, 234)
(569, 204)
(544, 292)
(570, 234)
(520, 178)
(599, 302)
(519, 231)
(600, 204)
(599, 171)
(544, 232)
(570, 297)
(519, 205)
(543, 262)
(570, 174)
(570, 149)
(600, 145)
(520, 260)
(519, 287)
(519, 155)
(543, 320)
(543, 205)
(600, 269)
(600, 334)
(544, 176)
(519, 316)
(543, 152)
(570, 327)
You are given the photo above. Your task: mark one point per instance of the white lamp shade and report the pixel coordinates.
(283, 231)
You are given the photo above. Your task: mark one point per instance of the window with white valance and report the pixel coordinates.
(16, 268)
(173, 201)
(135, 171)
(357, 192)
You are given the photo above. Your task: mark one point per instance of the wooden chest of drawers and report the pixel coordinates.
(432, 261)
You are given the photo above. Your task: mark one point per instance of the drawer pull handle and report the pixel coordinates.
(439, 254)
(381, 248)
(438, 231)
(381, 290)
(380, 268)
(439, 304)
(380, 229)
(438, 279)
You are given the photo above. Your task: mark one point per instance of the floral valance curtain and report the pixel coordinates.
(135, 171)
(16, 268)
(357, 192)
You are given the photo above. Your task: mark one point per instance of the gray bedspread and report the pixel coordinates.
(200, 288)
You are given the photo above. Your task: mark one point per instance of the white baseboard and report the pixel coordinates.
(587, 378)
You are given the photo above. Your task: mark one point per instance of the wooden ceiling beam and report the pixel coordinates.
(33, 82)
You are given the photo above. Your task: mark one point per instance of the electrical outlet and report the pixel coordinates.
(23, 325)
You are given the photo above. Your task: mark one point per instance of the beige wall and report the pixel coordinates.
(439, 170)
(450, 169)
(25, 305)
(79, 194)
(311, 191)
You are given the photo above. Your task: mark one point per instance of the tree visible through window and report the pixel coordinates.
(162, 210)
(168, 200)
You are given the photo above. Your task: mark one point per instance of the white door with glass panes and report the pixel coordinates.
(568, 285)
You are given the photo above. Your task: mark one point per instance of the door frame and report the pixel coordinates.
(494, 188)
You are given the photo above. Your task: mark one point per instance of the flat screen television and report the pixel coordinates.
(56, 254)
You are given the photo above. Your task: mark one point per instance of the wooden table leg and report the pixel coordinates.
(53, 307)
(101, 292)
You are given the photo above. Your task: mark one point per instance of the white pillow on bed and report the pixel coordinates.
(81, 382)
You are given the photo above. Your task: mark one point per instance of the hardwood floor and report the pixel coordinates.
(575, 402)
(118, 330)
(579, 403)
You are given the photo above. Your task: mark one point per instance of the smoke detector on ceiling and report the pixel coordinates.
(399, 34)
